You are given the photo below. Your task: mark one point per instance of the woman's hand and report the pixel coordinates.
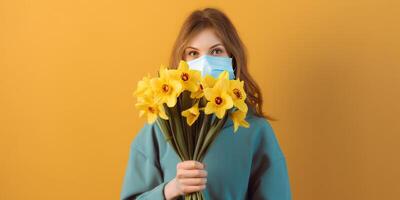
(190, 177)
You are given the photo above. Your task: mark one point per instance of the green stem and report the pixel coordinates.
(211, 135)
(179, 132)
(203, 131)
(173, 133)
(184, 104)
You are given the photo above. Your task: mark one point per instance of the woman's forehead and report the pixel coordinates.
(204, 40)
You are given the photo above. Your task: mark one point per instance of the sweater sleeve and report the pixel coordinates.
(269, 176)
(143, 177)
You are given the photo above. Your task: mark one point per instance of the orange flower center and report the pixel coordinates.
(218, 100)
(151, 109)
(165, 88)
(237, 93)
(185, 76)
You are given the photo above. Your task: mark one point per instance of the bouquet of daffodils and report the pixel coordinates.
(191, 110)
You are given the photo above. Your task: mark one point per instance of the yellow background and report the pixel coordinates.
(329, 70)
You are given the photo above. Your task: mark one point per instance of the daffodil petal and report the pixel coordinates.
(171, 101)
(228, 101)
(245, 124)
(235, 126)
(162, 114)
(223, 75)
(183, 66)
(209, 108)
(241, 105)
(208, 93)
(220, 113)
(151, 118)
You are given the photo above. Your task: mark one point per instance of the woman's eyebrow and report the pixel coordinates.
(191, 48)
(210, 47)
(215, 45)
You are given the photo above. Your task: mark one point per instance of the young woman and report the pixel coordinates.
(246, 165)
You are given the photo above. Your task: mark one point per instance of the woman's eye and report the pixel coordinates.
(192, 53)
(216, 51)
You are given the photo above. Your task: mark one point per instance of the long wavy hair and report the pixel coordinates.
(213, 18)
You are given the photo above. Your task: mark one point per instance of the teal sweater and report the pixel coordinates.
(248, 164)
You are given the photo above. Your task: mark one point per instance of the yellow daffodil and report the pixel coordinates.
(143, 87)
(166, 88)
(191, 114)
(223, 75)
(207, 81)
(218, 99)
(152, 108)
(238, 118)
(198, 93)
(238, 94)
(188, 78)
(164, 72)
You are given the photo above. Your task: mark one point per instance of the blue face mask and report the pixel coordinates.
(212, 65)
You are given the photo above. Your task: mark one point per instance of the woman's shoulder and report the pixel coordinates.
(264, 136)
(148, 139)
(259, 123)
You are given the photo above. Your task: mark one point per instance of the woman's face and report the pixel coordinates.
(204, 43)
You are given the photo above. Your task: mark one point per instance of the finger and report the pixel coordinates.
(190, 189)
(193, 181)
(193, 173)
(190, 164)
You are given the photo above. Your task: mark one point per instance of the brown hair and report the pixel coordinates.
(213, 18)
